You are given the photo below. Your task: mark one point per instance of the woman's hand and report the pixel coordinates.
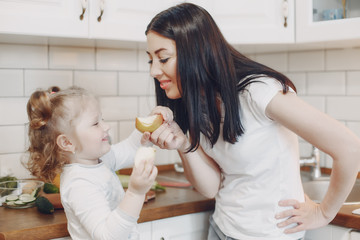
(307, 215)
(168, 117)
(169, 136)
(166, 113)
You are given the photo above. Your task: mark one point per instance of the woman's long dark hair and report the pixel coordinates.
(208, 68)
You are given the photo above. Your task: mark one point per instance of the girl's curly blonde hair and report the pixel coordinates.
(50, 114)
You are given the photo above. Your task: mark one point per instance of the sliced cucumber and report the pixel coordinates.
(11, 203)
(19, 202)
(26, 198)
(12, 198)
(35, 192)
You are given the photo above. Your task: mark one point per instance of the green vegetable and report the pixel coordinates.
(50, 188)
(35, 193)
(7, 178)
(125, 179)
(44, 205)
(26, 198)
(19, 202)
(12, 198)
(4, 192)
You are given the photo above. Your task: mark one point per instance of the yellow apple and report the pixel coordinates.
(148, 124)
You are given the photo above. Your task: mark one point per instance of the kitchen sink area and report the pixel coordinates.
(316, 188)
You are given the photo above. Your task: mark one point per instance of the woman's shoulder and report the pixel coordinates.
(263, 83)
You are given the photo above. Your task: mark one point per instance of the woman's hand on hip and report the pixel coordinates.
(307, 215)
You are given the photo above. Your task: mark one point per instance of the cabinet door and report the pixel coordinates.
(354, 235)
(124, 20)
(43, 17)
(253, 22)
(313, 22)
(190, 227)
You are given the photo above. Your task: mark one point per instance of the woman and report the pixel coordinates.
(235, 126)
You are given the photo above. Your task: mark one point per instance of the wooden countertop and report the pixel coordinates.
(16, 224)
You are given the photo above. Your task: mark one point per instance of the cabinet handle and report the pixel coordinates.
(285, 8)
(83, 5)
(102, 6)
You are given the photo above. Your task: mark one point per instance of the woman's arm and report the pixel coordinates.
(331, 137)
(200, 169)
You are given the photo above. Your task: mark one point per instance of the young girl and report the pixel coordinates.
(241, 120)
(68, 135)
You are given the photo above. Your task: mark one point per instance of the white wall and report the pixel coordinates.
(327, 79)
(118, 76)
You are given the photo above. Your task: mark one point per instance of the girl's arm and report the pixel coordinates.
(141, 180)
(331, 137)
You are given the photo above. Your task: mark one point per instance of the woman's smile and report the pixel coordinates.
(164, 84)
(163, 63)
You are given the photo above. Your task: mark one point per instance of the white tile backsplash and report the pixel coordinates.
(344, 108)
(114, 131)
(343, 59)
(278, 61)
(11, 164)
(306, 61)
(326, 83)
(146, 104)
(318, 102)
(44, 79)
(71, 58)
(329, 80)
(12, 139)
(299, 79)
(126, 128)
(100, 83)
(135, 83)
(354, 127)
(11, 82)
(353, 83)
(15, 109)
(116, 59)
(23, 56)
(143, 60)
(119, 108)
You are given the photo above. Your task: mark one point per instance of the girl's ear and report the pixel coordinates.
(64, 143)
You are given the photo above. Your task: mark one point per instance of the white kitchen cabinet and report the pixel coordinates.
(120, 20)
(124, 20)
(354, 235)
(241, 21)
(314, 24)
(145, 230)
(190, 227)
(43, 17)
(253, 22)
(329, 232)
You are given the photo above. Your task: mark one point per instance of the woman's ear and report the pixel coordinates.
(64, 143)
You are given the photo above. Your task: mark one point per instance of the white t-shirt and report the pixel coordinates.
(90, 195)
(258, 171)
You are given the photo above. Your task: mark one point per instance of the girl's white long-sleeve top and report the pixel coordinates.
(91, 194)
